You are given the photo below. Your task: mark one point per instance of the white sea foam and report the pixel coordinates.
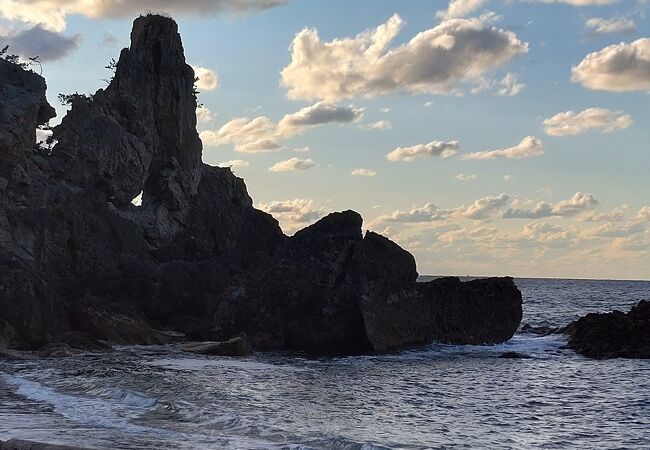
(96, 411)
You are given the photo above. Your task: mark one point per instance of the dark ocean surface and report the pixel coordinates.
(437, 397)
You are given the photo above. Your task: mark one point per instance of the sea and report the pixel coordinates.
(438, 397)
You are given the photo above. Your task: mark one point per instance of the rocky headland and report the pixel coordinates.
(81, 266)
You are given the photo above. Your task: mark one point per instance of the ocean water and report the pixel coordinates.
(437, 397)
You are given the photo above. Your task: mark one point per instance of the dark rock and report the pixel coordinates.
(82, 266)
(514, 355)
(56, 350)
(330, 291)
(612, 335)
(237, 346)
(17, 444)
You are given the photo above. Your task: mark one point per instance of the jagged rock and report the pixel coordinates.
(237, 346)
(23, 108)
(612, 335)
(81, 265)
(332, 291)
(477, 312)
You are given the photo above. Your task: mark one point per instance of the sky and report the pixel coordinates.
(487, 137)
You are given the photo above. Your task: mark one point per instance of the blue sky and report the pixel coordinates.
(567, 202)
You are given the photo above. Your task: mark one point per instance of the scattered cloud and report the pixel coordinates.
(302, 150)
(508, 178)
(320, 114)
(261, 134)
(204, 115)
(363, 173)
(52, 14)
(510, 85)
(294, 214)
(600, 119)
(435, 61)
(460, 8)
(433, 148)
(465, 177)
(599, 26)
(618, 68)
(574, 206)
(208, 80)
(234, 163)
(483, 208)
(380, 125)
(644, 214)
(293, 165)
(37, 41)
(529, 147)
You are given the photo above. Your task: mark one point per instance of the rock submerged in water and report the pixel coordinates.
(612, 335)
(237, 346)
(80, 265)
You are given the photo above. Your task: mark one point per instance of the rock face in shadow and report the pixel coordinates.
(80, 264)
(330, 290)
(612, 335)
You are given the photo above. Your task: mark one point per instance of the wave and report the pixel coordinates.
(112, 408)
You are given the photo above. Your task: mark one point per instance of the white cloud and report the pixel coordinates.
(529, 147)
(582, 2)
(293, 214)
(37, 41)
(460, 8)
(619, 68)
(436, 61)
(292, 165)
(385, 110)
(234, 163)
(508, 178)
(256, 135)
(644, 214)
(571, 123)
(208, 80)
(363, 173)
(433, 148)
(204, 115)
(319, 114)
(483, 208)
(302, 150)
(52, 14)
(465, 177)
(261, 134)
(510, 85)
(600, 26)
(574, 206)
(427, 213)
(380, 125)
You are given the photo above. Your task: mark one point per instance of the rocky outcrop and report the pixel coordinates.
(80, 265)
(330, 290)
(612, 335)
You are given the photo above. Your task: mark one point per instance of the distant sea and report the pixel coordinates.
(441, 396)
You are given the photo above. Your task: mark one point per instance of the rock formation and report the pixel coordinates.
(612, 335)
(79, 263)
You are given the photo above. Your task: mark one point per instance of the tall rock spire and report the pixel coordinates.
(140, 132)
